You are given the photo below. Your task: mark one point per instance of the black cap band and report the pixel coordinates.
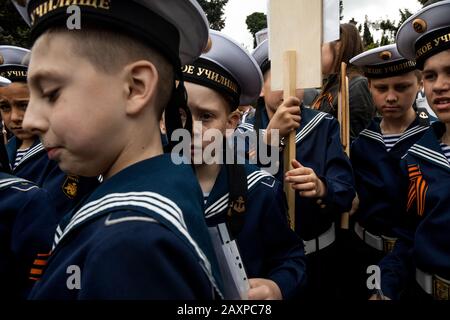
(124, 15)
(211, 75)
(265, 66)
(431, 44)
(14, 72)
(391, 69)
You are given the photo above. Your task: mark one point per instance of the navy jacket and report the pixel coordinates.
(268, 247)
(424, 237)
(318, 146)
(378, 176)
(27, 224)
(139, 235)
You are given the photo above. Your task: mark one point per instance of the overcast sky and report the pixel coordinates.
(237, 11)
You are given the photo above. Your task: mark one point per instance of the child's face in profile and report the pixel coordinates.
(436, 81)
(77, 110)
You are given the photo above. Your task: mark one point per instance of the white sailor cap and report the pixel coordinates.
(383, 62)
(176, 28)
(4, 82)
(261, 56)
(228, 68)
(11, 63)
(425, 33)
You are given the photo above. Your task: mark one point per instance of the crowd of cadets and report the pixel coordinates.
(86, 179)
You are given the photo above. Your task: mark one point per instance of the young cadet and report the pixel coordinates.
(422, 250)
(27, 155)
(322, 176)
(97, 95)
(394, 83)
(271, 252)
(27, 224)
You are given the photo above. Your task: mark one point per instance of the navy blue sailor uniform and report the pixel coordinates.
(66, 191)
(381, 187)
(269, 249)
(378, 178)
(27, 224)
(135, 238)
(318, 146)
(422, 250)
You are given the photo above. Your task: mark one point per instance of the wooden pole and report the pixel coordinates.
(289, 88)
(344, 120)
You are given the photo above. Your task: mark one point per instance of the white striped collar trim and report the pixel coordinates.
(373, 135)
(310, 126)
(430, 155)
(411, 132)
(151, 201)
(221, 204)
(11, 181)
(32, 152)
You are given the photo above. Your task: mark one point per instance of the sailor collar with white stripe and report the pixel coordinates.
(309, 121)
(373, 132)
(219, 197)
(129, 190)
(429, 148)
(35, 150)
(7, 181)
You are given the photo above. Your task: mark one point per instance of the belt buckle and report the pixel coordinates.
(388, 244)
(441, 288)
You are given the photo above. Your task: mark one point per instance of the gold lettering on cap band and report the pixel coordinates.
(210, 75)
(14, 74)
(419, 25)
(391, 69)
(51, 5)
(434, 43)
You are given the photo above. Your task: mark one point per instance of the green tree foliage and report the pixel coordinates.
(214, 10)
(255, 22)
(367, 34)
(13, 30)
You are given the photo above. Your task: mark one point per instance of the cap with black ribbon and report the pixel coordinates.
(383, 62)
(12, 66)
(425, 33)
(177, 29)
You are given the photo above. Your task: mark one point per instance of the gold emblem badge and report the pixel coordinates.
(388, 243)
(2, 60)
(419, 25)
(385, 55)
(238, 206)
(70, 186)
(208, 46)
(441, 288)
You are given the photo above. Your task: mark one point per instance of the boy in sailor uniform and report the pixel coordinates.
(420, 260)
(26, 153)
(322, 177)
(96, 97)
(394, 83)
(272, 253)
(27, 223)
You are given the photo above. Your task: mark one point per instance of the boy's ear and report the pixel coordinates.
(233, 119)
(141, 85)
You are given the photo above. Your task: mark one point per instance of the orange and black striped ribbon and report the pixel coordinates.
(417, 189)
(39, 265)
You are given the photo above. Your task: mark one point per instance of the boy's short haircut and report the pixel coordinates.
(109, 51)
